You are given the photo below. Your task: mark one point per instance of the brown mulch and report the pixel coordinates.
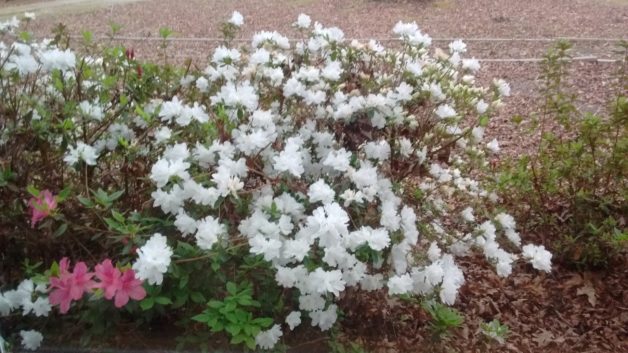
(564, 311)
(594, 85)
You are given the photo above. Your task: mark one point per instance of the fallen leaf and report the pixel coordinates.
(575, 281)
(543, 338)
(589, 291)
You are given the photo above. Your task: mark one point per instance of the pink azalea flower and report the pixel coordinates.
(42, 206)
(131, 287)
(69, 286)
(109, 277)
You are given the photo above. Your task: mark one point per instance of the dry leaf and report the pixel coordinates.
(544, 338)
(589, 291)
(575, 281)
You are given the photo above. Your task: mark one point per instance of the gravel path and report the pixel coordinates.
(54, 7)
(362, 18)
(367, 19)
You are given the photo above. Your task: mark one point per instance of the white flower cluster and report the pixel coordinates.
(312, 138)
(27, 296)
(31, 299)
(28, 59)
(317, 144)
(31, 339)
(32, 64)
(153, 260)
(82, 152)
(540, 258)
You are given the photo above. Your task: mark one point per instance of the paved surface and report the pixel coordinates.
(53, 7)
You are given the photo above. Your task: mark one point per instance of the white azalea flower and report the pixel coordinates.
(236, 19)
(31, 339)
(269, 338)
(153, 259)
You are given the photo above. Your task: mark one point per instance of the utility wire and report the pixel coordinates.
(489, 60)
(480, 39)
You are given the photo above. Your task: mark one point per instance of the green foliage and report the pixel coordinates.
(234, 315)
(165, 32)
(101, 198)
(6, 178)
(108, 211)
(574, 186)
(444, 318)
(495, 330)
(115, 28)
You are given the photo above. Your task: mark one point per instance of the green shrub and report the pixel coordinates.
(575, 182)
(244, 200)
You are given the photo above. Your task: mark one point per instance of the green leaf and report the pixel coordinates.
(61, 230)
(237, 339)
(217, 326)
(197, 297)
(163, 300)
(32, 190)
(180, 299)
(165, 32)
(118, 216)
(252, 330)
(102, 198)
(233, 329)
(54, 269)
(85, 201)
(115, 28)
(243, 316)
(202, 317)
(113, 225)
(245, 301)
(88, 37)
(67, 124)
(147, 303)
(250, 343)
(263, 321)
(215, 304)
(230, 306)
(64, 194)
(232, 288)
(25, 36)
(184, 281)
(232, 317)
(116, 195)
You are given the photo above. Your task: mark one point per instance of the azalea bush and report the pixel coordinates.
(247, 198)
(574, 185)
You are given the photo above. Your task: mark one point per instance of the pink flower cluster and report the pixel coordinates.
(42, 206)
(70, 286)
(121, 285)
(115, 284)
